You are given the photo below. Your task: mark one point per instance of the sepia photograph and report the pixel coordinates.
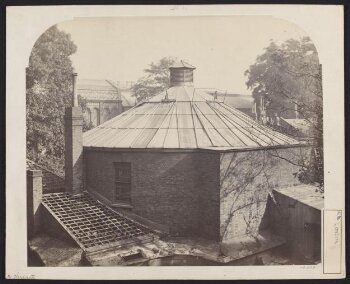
(174, 141)
(162, 164)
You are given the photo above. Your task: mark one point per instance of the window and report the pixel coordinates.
(122, 181)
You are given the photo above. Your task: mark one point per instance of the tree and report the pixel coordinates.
(155, 81)
(48, 92)
(286, 76)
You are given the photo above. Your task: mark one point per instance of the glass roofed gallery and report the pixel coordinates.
(189, 162)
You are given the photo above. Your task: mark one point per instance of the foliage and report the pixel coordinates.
(83, 104)
(287, 75)
(49, 91)
(155, 81)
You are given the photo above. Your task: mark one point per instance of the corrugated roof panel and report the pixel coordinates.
(204, 108)
(163, 108)
(158, 139)
(216, 121)
(114, 122)
(231, 137)
(196, 121)
(222, 110)
(166, 122)
(255, 135)
(279, 138)
(90, 133)
(144, 138)
(187, 138)
(183, 108)
(201, 96)
(113, 139)
(97, 135)
(145, 108)
(216, 138)
(129, 138)
(245, 135)
(245, 138)
(204, 121)
(155, 121)
(202, 138)
(185, 121)
(103, 138)
(173, 121)
(135, 121)
(172, 139)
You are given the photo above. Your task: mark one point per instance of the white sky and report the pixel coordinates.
(221, 48)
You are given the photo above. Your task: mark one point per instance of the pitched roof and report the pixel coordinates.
(184, 118)
(97, 89)
(182, 64)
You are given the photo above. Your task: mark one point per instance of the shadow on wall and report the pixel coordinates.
(247, 179)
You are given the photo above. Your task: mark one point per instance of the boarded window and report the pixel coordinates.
(122, 181)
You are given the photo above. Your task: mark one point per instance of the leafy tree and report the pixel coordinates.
(287, 75)
(49, 91)
(155, 81)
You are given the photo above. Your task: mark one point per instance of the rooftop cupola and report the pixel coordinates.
(181, 74)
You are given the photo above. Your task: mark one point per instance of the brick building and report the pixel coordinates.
(182, 164)
(105, 99)
(182, 158)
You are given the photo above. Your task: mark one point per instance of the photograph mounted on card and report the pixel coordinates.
(179, 138)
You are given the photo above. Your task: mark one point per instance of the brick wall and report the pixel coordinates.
(51, 181)
(209, 195)
(246, 180)
(179, 190)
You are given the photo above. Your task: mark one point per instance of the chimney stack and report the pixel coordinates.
(75, 95)
(74, 145)
(181, 74)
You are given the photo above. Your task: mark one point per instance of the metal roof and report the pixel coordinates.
(182, 64)
(231, 99)
(184, 118)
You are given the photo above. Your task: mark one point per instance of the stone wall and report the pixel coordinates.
(247, 178)
(179, 190)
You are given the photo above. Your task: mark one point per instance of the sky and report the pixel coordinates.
(220, 47)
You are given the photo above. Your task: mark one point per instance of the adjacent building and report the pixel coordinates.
(105, 99)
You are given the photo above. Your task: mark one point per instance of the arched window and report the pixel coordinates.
(88, 115)
(95, 116)
(107, 114)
